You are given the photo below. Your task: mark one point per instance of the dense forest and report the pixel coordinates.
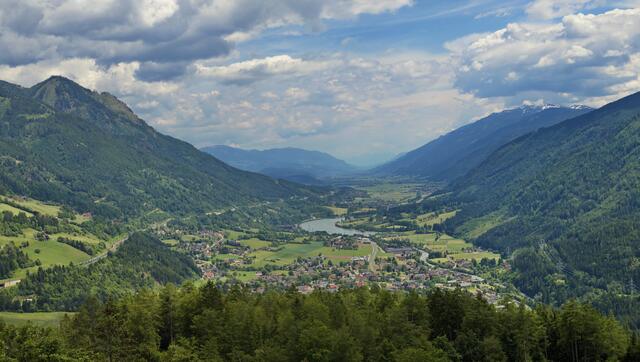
(12, 258)
(456, 153)
(210, 323)
(141, 262)
(563, 201)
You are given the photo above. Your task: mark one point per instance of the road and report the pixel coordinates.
(104, 254)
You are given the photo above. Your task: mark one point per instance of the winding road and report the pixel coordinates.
(104, 254)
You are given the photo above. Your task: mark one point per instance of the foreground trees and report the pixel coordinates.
(210, 324)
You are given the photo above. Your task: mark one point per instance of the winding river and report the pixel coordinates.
(329, 225)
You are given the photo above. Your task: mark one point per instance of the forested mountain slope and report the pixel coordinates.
(286, 163)
(459, 151)
(567, 198)
(61, 142)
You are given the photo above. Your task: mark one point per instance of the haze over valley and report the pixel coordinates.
(397, 180)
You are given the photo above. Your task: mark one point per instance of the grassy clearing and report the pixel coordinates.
(225, 256)
(255, 243)
(286, 255)
(233, 234)
(87, 238)
(430, 219)
(393, 192)
(48, 319)
(245, 276)
(50, 252)
(337, 211)
(476, 227)
(35, 205)
(13, 210)
(345, 255)
(290, 252)
(476, 256)
(171, 242)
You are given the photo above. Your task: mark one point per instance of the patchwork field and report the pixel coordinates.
(456, 249)
(44, 209)
(49, 319)
(4, 207)
(431, 218)
(289, 252)
(255, 243)
(337, 211)
(393, 192)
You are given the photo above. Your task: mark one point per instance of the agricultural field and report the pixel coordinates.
(43, 319)
(42, 208)
(337, 211)
(49, 252)
(4, 207)
(27, 205)
(393, 192)
(430, 219)
(456, 249)
(288, 253)
(233, 234)
(255, 243)
(476, 227)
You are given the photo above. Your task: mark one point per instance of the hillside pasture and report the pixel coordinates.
(43, 319)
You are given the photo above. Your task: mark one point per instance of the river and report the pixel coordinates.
(329, 225)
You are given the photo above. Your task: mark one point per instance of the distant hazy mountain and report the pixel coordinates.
(287, 163)
(459, 151)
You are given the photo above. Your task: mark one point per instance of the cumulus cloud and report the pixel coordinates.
(253, 70)
(551, 9)
(165, 36)
(586, 56)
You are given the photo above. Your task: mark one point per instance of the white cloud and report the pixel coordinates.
(584, 56)
(552, 9)
(252, 70)
(164, 36)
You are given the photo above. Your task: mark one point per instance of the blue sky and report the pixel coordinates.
(361, 79)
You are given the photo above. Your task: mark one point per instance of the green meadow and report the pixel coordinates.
(43, 319)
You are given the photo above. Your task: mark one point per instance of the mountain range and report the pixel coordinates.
(293, 164)
(565, 200)
(64, 143)
(456, 153)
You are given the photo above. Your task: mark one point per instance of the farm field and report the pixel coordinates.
(478, 226)
(43, 319)
(290, 252)
(393, 192)
(4, 207)
(49, 253)
(430, 219)
(30, 204)
(255, 243)
(233, 234)
(457, 249)
(337, 211)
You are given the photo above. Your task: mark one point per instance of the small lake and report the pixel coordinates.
(329, 225)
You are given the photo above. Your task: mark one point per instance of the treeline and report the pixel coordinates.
(141, 262)
(80, 245)
(12, 258)
(209, 324)
(12, 225)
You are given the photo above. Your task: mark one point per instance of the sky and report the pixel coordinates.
(364, 80)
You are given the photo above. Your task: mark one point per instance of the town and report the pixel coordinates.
(334, 262)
